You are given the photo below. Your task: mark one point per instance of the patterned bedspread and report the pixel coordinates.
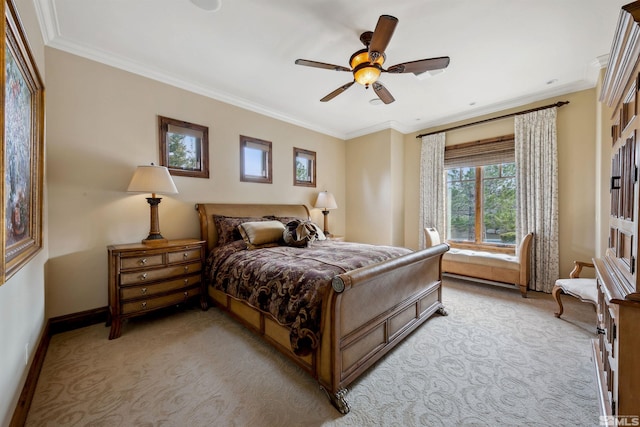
(290, 283)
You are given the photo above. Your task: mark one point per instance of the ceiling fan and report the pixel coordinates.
(366, 64)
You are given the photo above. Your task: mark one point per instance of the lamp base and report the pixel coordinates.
(326, 223)
(155, 241)
(154, 237)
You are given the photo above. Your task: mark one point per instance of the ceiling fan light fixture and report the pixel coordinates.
(366, 73)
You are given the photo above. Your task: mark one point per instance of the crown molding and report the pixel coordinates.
(154, 74)
(495, 108)
(47, 19)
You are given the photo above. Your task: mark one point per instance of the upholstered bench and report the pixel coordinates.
(489, 266)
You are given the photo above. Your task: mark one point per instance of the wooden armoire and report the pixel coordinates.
(617, 350)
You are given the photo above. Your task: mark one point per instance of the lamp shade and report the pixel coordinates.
(326, 201)
(152, 179)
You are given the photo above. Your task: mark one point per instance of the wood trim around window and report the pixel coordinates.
(312, 175)
(266, 146)
(200, 160)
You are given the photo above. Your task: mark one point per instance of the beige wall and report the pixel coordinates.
(102, 124)
(374, 181)
(22, 302)
(397, 185)
(576, 125)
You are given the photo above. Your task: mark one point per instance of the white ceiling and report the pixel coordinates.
(504, 53)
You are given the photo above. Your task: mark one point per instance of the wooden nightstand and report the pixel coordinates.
(143, 278)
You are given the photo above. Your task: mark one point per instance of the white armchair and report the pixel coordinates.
(584, 289)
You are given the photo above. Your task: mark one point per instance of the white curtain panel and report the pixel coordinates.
(432, 188)
(537, 192)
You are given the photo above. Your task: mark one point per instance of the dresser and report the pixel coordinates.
(144, 278)
(617, 350)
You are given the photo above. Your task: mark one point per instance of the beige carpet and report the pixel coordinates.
(496, 360)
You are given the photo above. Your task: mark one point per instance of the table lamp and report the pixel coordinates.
(153, 179)
(326, 201)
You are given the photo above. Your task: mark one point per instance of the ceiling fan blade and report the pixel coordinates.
(337, 92)
(382, 35)
(382, 92)
(317, 64)
(420, 66)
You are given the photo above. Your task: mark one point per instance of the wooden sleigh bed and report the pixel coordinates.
(364, 312)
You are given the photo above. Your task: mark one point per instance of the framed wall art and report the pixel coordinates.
(184, 147)
(22, 149)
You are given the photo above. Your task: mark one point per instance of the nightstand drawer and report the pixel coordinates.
(144, 276)
(159, 288)
(164, 301)
(183, 256)
(141, 261)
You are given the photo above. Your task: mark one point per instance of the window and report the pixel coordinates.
(304, 167)
(481, 193)
(184, 147)
(481, 204)
(255, 160)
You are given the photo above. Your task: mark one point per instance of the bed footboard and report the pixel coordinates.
(371, 309)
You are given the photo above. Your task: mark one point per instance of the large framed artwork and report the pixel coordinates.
(22, 149)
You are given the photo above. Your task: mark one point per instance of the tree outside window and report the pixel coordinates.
(481, 204)
(304, 167)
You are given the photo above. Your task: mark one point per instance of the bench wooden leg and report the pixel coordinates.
(556, 292)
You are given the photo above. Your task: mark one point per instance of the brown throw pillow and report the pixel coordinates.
(261, 234)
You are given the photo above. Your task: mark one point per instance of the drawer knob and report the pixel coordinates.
(144, 305)
(143, 276)
(186, 281)
(186, 268)
(143, 261)
(185, 255)
(186, 294)
(144, 291)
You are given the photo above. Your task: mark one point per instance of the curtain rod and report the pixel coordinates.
(557, 104)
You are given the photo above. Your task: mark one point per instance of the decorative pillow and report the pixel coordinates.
(300, 233)
(261, 234)
(227, 227)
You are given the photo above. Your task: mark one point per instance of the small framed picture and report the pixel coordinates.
(304, 167)
(184, 147)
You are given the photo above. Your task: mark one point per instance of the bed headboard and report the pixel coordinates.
(206, 211)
